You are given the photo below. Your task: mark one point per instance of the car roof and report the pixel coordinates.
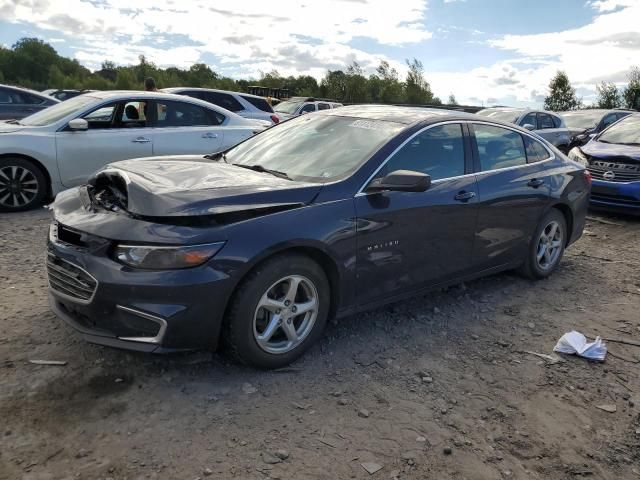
(595, 110)
(198, 89)
(28, 90)
(398, 114)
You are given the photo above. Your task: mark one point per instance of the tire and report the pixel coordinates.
(23, 185)
(535, 267)
(252, 332)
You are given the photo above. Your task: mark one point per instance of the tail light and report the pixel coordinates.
(275, 119)
(587, 176)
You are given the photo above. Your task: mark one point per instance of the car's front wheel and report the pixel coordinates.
(278, 312)
(547, 246)
(22, 185)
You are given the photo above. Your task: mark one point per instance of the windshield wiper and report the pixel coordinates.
(260, 168)
(217, 156)
(13, 122)
(632, 144)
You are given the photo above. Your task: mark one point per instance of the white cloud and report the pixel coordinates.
(605, 49)
(292, 36)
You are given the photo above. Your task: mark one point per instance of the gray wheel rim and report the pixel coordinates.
(18, 186)
(286, 314)
(549, 245)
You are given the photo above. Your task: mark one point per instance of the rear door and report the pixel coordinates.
(549, 128)
(112, 135)
(514, 191)
(181, 128)
(409, 240)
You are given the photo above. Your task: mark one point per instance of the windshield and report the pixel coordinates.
(581, 120)
(625, 132)
(315, 148)
(287, 107)
(56, 112)
(507, 116)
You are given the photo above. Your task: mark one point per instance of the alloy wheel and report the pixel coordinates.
(549, 245)
(285, 314)
(18, 186)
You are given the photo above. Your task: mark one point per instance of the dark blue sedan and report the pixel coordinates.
(613, 158)
(322, 216)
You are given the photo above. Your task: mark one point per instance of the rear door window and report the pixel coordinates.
(182, 114)
(557, 122)
(545, 121)
(259, 103)
(5, 97)
(324, 106)
(498, 147)
(223, 100)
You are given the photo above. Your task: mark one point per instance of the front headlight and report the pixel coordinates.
(576, 155)
(154, 257)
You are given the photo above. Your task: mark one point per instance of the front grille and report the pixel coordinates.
(69, 280)
(621, 172)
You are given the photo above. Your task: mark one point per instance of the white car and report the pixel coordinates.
(300, 105)
(60, 147)
(244, 104)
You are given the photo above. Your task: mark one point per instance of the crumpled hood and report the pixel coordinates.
(10, 127)
(193, 185)
(605, 151)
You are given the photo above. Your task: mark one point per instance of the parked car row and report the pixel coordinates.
(17, 103)
(59, 147)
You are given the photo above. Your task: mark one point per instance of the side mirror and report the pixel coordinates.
(592, 135)
(528, 126)
(78, 124)
(401, 181)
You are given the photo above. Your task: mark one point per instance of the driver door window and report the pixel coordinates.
(122, 114)
(437, 151)
(309, 107)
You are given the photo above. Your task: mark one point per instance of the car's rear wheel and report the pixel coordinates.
(22, 185)
(278, 312)
(547, 246)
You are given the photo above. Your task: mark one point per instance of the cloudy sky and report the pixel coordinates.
(483, 51)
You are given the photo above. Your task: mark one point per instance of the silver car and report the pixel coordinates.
(548, 125)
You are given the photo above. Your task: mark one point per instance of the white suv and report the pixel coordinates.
(300, 105)
(243, 104)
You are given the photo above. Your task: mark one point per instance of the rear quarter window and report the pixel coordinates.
(535, 150)
(223, 100)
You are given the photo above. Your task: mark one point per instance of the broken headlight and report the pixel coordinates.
(154, 257)
(576, 155)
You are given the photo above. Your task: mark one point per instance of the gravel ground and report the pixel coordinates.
(437, 387)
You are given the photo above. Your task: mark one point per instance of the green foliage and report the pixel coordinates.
(35, 64)
(452, 100)
(631, 93)
(608, 96)
(562, 96)
(417, 89)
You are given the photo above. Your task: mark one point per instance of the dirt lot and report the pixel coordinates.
(438, 387)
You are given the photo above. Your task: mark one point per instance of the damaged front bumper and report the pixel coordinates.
(144, 310)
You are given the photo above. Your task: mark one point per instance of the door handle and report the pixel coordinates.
(535, 182)
(141, 140)
(464, 196)
(209, 135)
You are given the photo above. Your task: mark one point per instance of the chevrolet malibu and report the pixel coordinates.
(319, 217)
(61, 146)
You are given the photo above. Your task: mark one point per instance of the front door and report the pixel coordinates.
(117, 131)
(514, 191)
(182, 128)
(408, 240)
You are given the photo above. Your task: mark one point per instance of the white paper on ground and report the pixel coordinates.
(576, 343)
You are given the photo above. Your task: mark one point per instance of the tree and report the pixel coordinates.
(452, 100)
(631, 93)
(608, 96)
(355, 84)
(562, 96)
(334, 85)
(417, 89)
(391, 90)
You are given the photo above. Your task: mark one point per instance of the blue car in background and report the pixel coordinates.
(613, 158)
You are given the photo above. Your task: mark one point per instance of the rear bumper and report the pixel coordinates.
(149, 311)
(616, 196)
